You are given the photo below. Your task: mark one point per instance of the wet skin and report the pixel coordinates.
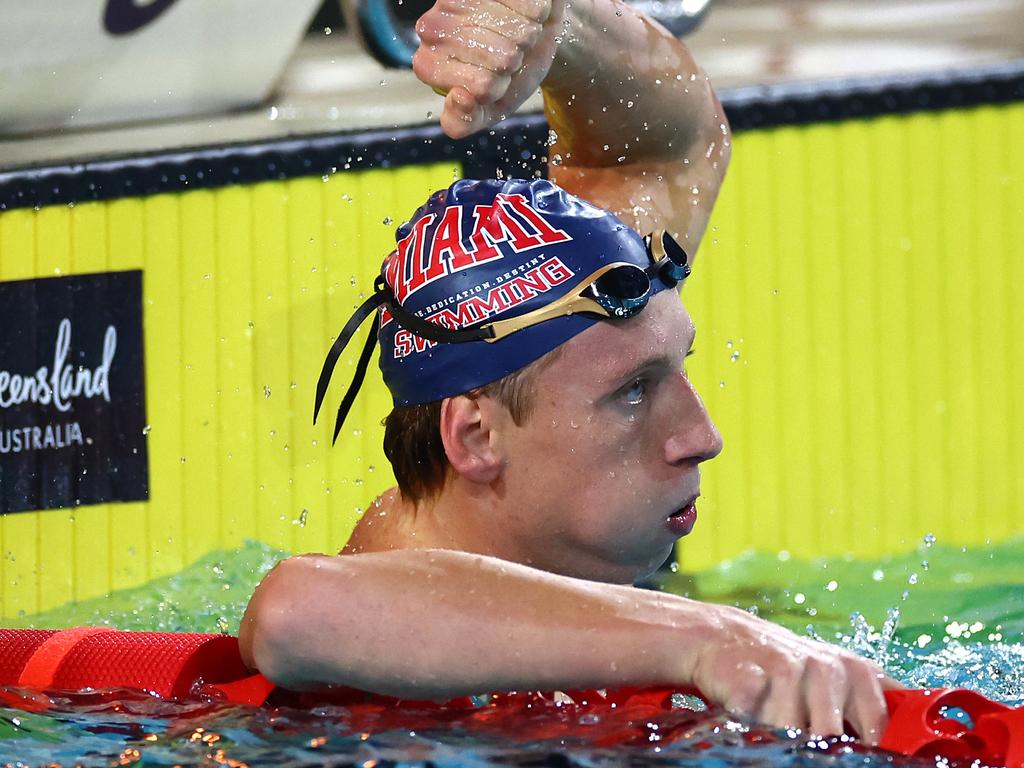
(611, 449)
(584, 486)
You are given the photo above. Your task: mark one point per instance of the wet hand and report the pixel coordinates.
(761, 671)
(488, 57)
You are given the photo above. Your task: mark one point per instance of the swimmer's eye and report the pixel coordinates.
(634, 392)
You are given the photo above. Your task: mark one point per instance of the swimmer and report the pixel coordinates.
(546, 440)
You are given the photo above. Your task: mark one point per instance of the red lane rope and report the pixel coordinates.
(212, 664)
(41, 667)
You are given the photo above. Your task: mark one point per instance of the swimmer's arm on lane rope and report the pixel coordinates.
(439, 623)
(640, 131)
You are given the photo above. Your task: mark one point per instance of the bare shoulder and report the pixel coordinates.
(382, 528)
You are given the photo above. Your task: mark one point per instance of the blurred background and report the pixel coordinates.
(220, 183)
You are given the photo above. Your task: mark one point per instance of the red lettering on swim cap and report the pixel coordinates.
(548, 234)
(411, 271)
(494, 225)
(447, 246)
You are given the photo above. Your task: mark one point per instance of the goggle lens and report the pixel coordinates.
(623, 291)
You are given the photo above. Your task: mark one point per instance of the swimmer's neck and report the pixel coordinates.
(451, 519)
(471, 518)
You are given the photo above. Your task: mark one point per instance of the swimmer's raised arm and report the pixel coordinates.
(639, 129)
(441, 623)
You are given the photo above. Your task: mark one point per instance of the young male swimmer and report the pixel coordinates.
(545, 437)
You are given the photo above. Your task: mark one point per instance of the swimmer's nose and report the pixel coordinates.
(695, 436)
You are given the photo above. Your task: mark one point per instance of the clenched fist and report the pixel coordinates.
(487, 56)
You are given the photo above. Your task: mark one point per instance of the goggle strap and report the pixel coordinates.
(357, 377)
(432, 331)
(339, 345)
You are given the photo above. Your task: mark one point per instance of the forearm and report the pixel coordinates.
(621, 86)
(435, 624)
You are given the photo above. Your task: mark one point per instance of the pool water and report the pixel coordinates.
(939, 616)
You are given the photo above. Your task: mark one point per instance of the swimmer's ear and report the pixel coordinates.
(466, 433)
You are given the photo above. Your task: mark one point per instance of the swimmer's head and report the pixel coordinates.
(490, 276)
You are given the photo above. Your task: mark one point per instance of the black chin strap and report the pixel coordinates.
(364, 310)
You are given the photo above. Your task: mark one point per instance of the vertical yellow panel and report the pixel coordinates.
(306, 214)
(236, 390)
(754, 334)
(162, 314)
(270, 269)
(20, 529)
(826, 389)
(994, 309)
(791, 361)
(199, 345)
(891, 261)
(860, 336)
(129, 531)
(1012, 196)
(957, 226)
(91, 529)
(926, 348)
(56, 546)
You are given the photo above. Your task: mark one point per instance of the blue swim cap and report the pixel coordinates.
(476, 253)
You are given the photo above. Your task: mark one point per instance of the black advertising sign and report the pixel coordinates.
(72, 392)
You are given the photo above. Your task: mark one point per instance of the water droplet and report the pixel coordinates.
(301, 519)
(266, 390)
(147, 429)
(388, 221)
(832, 586)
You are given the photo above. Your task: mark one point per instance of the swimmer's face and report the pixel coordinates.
(611, 450)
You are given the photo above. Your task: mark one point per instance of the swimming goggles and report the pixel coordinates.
(618, 290)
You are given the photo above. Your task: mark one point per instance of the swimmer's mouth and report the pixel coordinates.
(681, 522)
(687, 507)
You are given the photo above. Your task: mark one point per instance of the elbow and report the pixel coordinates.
(267, 635)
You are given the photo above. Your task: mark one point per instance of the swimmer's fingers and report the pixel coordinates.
(441, 72)
(868, 712)
(784, 706)
(462, 114)
(488, 50)
(825, 685)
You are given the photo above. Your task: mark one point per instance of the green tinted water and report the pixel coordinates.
(939, 616)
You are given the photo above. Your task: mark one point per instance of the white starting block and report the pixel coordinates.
(69, 63)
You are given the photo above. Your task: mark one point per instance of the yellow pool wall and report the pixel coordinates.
(860, 346)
